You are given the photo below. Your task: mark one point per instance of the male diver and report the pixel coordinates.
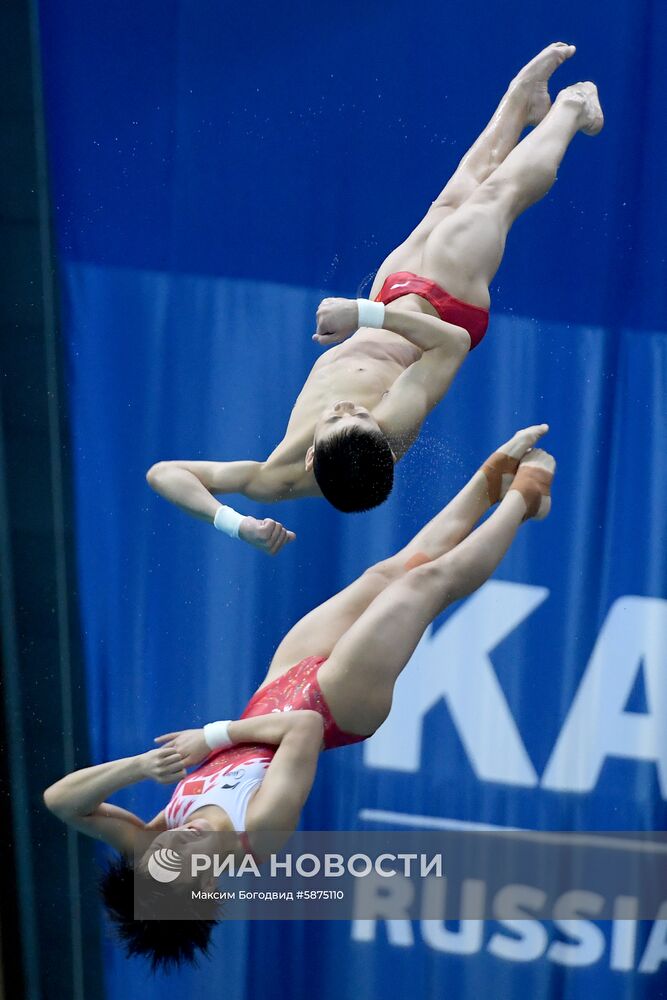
(364, 401)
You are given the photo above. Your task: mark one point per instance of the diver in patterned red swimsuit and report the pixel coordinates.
(365, 400)
(330, 683)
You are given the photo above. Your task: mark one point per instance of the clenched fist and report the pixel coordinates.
(337, 319)
(268, 535)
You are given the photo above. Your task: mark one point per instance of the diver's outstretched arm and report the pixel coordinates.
(191, 485)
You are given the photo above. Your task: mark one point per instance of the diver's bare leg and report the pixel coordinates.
(484, 490)
(359, 676)
(464, 251)
(318, 632)
(525, 103)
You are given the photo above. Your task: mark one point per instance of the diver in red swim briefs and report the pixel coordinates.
(330, 683)
(365, 400)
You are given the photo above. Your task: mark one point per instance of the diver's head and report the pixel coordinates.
(195, 836)
(166, 943)
(351, 458)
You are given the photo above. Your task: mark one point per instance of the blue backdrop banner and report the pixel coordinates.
(215, 170)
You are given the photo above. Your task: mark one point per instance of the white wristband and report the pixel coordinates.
(216, 735)
(228, 520)
(370, 313)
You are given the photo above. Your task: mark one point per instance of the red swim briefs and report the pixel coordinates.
(472, 318)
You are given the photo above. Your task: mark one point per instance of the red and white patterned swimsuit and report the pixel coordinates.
(296, 689)
(228, 778)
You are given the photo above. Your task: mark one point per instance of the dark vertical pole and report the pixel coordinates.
(49, 927)
(55, 432)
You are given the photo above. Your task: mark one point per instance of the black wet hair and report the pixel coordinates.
(354, 468)
(165, 943)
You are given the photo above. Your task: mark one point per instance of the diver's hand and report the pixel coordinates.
(337, 319)
(164, 765)
(189, 744)
(267, 535)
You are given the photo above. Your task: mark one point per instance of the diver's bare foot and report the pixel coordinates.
(532, 80)
(501, 467)
(524, 440)
(585, 95)
(533, 482)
